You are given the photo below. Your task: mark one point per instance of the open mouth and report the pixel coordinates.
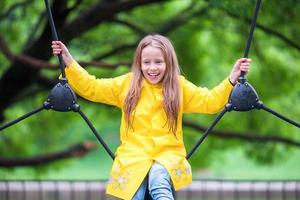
(153, 75)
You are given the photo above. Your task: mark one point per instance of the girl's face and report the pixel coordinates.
(153, 64)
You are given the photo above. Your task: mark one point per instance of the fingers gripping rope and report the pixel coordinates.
(251, 97)
(61, 98)
(243, 96)
(55, 37)
(76, 108)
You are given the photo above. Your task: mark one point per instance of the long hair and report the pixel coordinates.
(170, 82)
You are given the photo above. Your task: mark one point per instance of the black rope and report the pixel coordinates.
(280, 116)
(241, 78)
(55, 37)
(21, 118)
(250, 36)
(207, 131)
(97, 135)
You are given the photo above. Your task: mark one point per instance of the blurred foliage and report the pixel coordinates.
(207, 46)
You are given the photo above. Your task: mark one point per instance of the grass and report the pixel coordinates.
(97, 166)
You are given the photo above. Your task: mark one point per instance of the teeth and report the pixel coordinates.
(153, 74)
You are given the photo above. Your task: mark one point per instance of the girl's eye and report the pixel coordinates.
(158, 61)
(146, 62)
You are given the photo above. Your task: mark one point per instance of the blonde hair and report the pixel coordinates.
(170, 81)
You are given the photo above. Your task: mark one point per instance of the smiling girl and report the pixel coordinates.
(152, 98)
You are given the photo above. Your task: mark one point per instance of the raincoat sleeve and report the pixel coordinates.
(104, 90)
(202, 100)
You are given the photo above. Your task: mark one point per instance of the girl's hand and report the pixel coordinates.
(242, 64)
(59, 48)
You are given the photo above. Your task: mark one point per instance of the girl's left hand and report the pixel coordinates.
(242, 64)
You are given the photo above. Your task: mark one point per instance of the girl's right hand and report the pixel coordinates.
(59, 48)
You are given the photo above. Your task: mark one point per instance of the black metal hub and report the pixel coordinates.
(62, 98)
(243, 97)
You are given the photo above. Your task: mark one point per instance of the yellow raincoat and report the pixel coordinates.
(150, 139)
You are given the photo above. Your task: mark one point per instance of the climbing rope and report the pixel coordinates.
(63, 99)
(55, 37)
(243, 96)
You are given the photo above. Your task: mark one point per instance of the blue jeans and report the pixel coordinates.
(158, 182)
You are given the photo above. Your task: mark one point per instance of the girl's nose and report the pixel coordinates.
(153, 67)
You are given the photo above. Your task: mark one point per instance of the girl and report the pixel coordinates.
(152, 99)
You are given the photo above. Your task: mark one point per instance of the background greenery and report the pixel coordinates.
(208, 37)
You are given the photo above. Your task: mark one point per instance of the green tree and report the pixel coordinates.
(102, 35)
